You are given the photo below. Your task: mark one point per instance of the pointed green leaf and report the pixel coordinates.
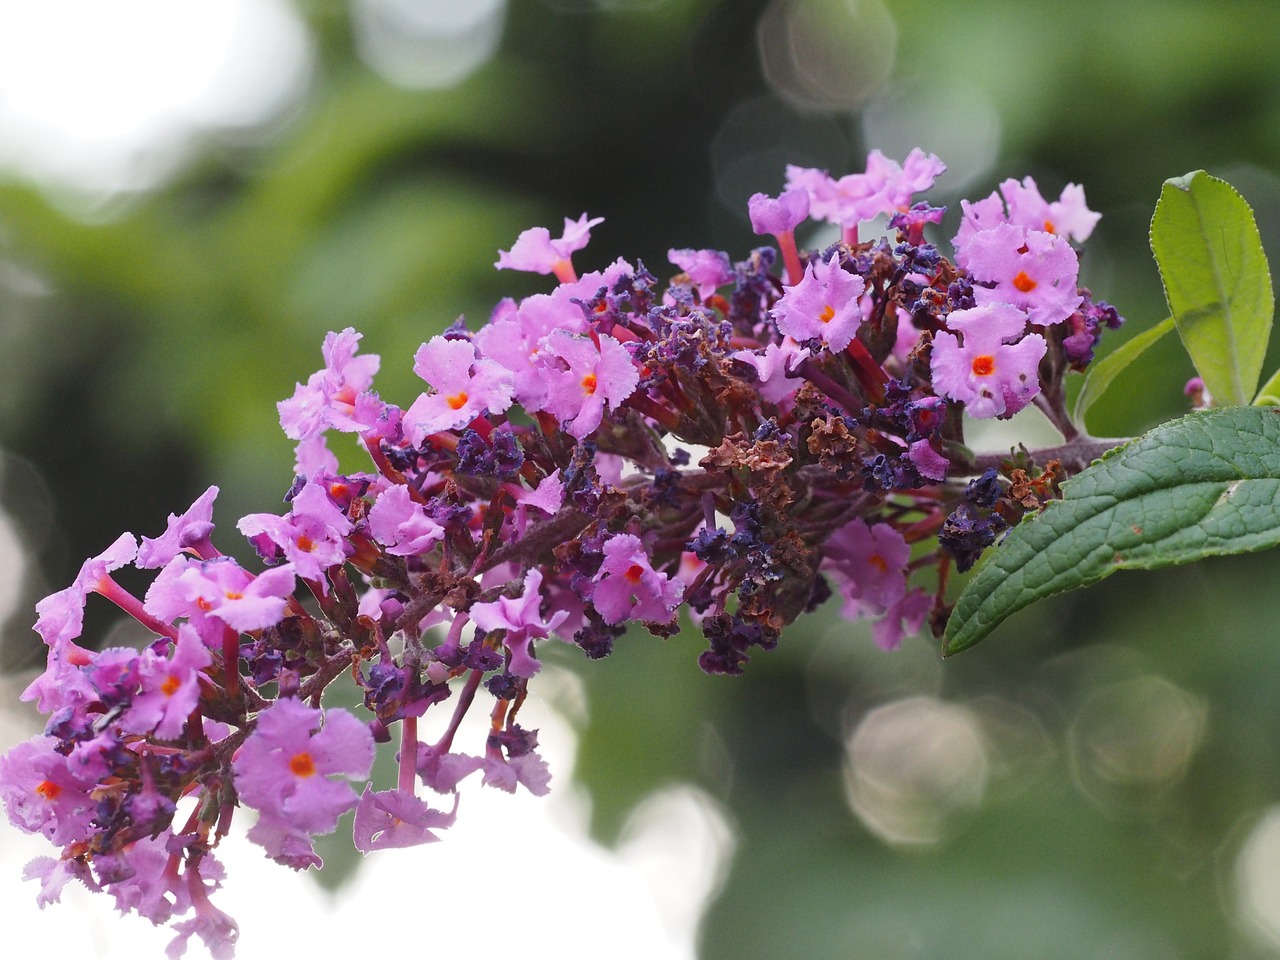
(1269, 395)
(1216, 280)
(1103, 371)
(1202, 486)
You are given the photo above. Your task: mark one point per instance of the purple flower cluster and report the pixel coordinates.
(737, 445)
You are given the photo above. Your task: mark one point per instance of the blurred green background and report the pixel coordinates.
(1094, 781)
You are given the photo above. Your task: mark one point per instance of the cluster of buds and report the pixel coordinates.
(738, 444)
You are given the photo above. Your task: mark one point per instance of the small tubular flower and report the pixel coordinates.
(328, 399)
(1033, 270)
(594, 373)
(534, 250)
(628, 588)
(822, 306)
(286, 771)
(465, 388)
(992, 372)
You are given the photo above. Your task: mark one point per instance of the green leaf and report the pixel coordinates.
(1216, 280)
(1269, 395)
(1202, 486)
(1102, 372)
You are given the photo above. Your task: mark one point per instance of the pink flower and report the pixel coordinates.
(188, 532)
(707, 270)
(43, 794)
(535, 251)
(516, 341)
(590, 377)
(1033, 270)
(329, 397)
(822, 306)
(778, 215)
(169, 689)
(993, 372)
(401, 525)
(311, 537)
(286, 771)
(869, 564)
(885, 187)
(1023, 206)
(772, 366)
(390, 818)
(466, 387)
(211, 593)
(546, 498)
(628, 588)
(521, 619)
(1068, 216)
(61, 615)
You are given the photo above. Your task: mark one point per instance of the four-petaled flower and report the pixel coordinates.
(285, 770)
(592, 372)
(466, 387)
(994, 371)
(822, 306)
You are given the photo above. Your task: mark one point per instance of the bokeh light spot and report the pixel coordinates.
(913, 768)
(427, 44)
(830, 55)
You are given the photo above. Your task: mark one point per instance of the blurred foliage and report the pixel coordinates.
(145, 347)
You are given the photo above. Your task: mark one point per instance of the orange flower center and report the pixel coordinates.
(48, 789)
(1023, 284)
(305, 543)
(1048, 227)
(458, 400)
(634, 573)
(878, 562)
(589, 384)
(302, 765)
(984, 365)
(170, 685)
(234, 595)
(827, 313)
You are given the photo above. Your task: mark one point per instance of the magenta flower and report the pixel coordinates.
(44, 793)
(595, 372)
(822, 306)
(770, 215)
(516, 341)
(707, 270)
(329, 397)
(1033, 270)
(169, 689)
(466, 387)
(522, 620)
(311, 537)
(189, 532)
(388, 819)
(884, 188)
(211, 593)
(1023, 206)
(772, 366)
(401, 524)
(993, 372)
(61, 615)
(285, 771)
(535, 251)
(869, 564)
(628, 588)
